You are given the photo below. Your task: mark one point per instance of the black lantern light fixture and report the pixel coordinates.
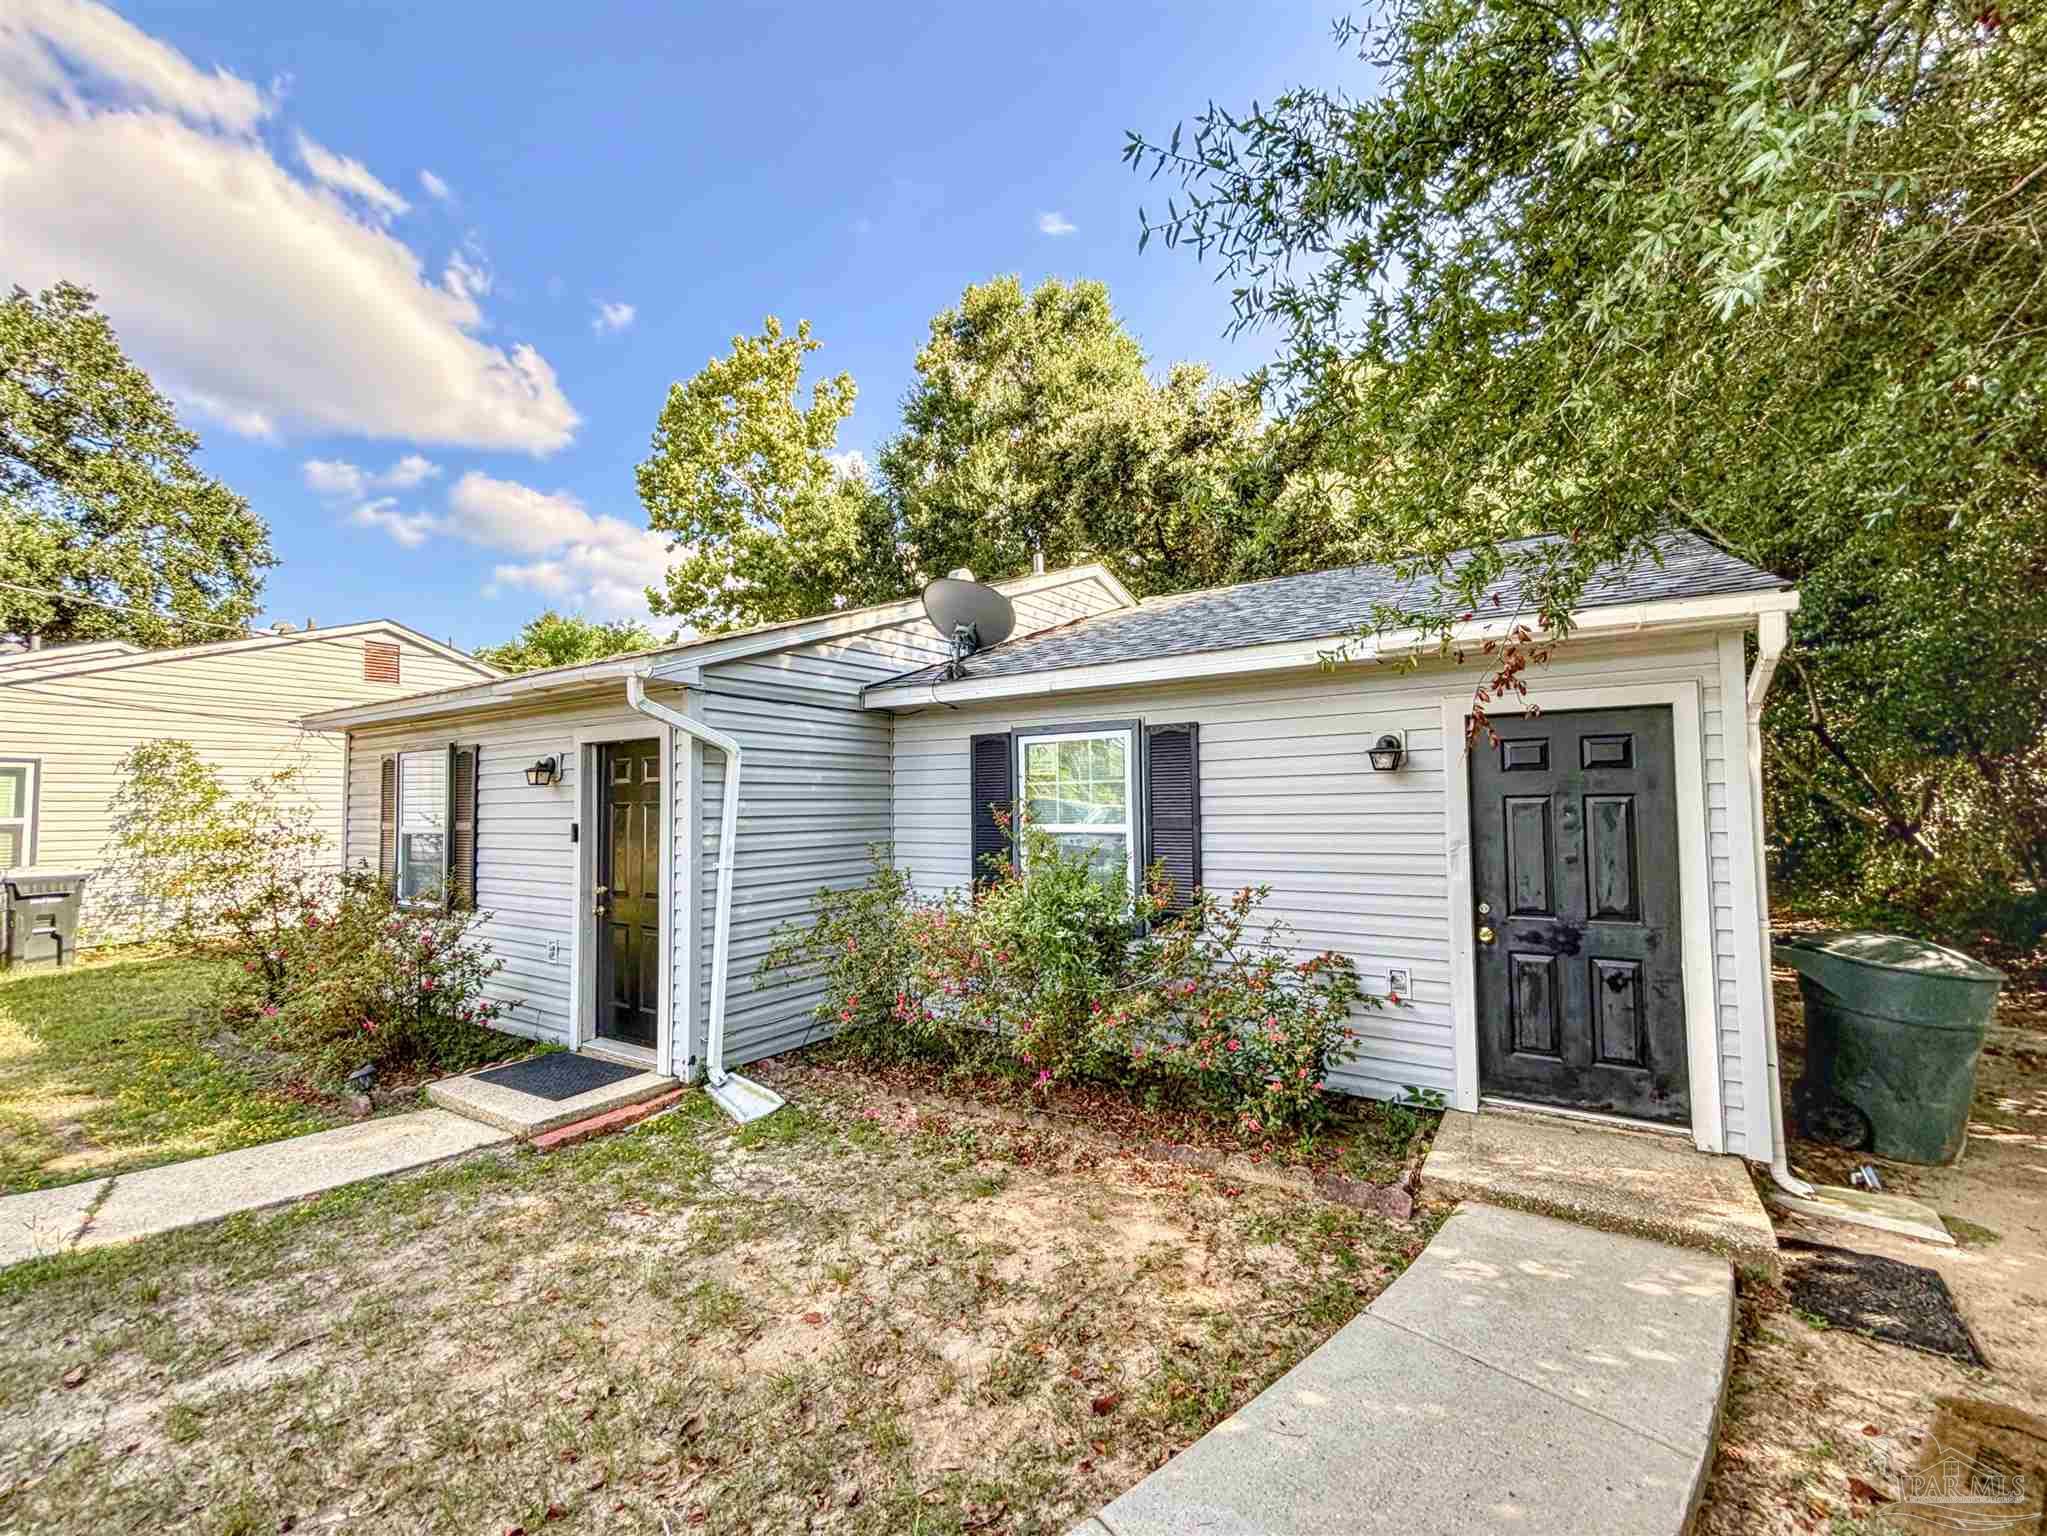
(1386, 754)
(547, 771)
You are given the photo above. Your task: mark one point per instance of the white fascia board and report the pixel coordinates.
(1669, 616)
(455, 701)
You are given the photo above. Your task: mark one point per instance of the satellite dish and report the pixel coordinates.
(970, 616)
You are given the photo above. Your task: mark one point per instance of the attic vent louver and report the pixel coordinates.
(380, 662)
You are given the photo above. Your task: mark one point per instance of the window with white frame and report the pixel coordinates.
(422, 825)
(17, 813)
(1080, 787)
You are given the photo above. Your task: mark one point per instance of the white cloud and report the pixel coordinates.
(340, 479)
(414, 469)
(51, 47)
(350, 177)
(269, 301)
(852, 463)
(435, 187)
(465, 279)
(612, 317)
(1055, 223)
(410, 529)
(596, 563)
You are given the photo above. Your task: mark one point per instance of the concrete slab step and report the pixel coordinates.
(528, 1115)
(1639, 1183)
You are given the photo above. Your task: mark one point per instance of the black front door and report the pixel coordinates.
(1574, 878)
(629, 881)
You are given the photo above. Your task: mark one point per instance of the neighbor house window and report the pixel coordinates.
(1080, 789)
(17, 813)
(422, 825)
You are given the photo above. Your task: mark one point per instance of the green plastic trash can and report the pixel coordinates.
(1892, 1030)
(41, 916)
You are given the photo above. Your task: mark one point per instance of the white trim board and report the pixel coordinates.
(1695, 885)
(582, 970)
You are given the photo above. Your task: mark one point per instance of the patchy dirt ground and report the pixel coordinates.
(852, 1316)
(1819, 1421)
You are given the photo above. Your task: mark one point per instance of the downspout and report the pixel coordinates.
(1772, 630)
(728, 845)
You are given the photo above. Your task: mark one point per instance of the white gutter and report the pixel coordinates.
(1772, 630)
(728, 845)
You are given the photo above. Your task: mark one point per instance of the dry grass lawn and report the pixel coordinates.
(851, 1317)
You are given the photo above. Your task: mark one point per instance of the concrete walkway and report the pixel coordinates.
(1524, 1375)
(132, 1205)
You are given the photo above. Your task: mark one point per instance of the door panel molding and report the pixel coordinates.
(582, 933)
(1695, 874)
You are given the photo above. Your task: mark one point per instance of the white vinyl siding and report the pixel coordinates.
(239, 706)
(816, 797)
(1356, 859)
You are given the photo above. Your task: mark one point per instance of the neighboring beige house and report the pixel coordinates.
(68, 714)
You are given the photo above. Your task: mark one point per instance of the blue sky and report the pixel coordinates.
(421, 275)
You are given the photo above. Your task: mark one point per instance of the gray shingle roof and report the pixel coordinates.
(1327, 605)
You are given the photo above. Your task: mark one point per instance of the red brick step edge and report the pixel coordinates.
(604, 1124)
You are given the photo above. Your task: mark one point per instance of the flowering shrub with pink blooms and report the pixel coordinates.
(1223, 1004)
(1055, 973)
(348, 977)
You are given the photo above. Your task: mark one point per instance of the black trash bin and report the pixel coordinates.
(1892, 1030)
(42, 915)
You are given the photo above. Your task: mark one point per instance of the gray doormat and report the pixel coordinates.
(1879, 1298)
(558, 1075)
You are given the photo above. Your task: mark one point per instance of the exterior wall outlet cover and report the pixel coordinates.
(1397, 981)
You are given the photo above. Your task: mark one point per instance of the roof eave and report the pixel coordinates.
(680, 664)
(1618, 620)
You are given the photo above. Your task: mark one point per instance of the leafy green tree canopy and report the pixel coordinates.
(742, 477)
(551, 639)
(1034, 427)
(100, 501)
(1769, 272)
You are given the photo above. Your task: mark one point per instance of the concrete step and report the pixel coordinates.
(1641, 1183)
(528, 1115)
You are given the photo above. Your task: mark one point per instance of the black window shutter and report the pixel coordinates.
(463, 765)
(1172, 795)
(387, 821)
(992, 788)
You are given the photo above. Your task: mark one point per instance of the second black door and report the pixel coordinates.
(1577, 928)
(629, 882)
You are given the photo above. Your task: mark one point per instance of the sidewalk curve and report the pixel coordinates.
(125, 1206)
(1523, 1375)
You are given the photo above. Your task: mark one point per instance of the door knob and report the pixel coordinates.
(1485, 935)
(598, 910)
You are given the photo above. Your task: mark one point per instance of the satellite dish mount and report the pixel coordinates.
(969, 616)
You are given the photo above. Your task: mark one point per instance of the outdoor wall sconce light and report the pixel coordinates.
(547, 771)
(1386, 754)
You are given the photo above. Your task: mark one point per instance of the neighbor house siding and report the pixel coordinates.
(815, 798)
(239, 708)
(1356, 860)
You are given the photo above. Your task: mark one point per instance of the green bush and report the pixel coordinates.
(1055, 973)
(350, 978)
